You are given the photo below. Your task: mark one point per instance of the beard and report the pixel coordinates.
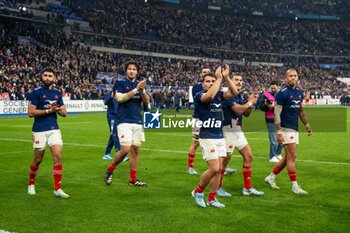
(48, 83)
(292, 84)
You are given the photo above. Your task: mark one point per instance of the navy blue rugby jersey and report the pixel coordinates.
(42, 98)
(129, 111)
(229, 114)
(195, 90)
(290, 99)
(210, 114)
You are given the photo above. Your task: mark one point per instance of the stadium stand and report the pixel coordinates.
(322, 7)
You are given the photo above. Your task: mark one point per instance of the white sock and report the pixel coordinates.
(295, 184)
(272, 175)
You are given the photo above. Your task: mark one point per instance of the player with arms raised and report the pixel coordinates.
(234, 108)
(211, 139)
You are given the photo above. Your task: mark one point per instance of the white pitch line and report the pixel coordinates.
(170, 151)
(189, 136)
(13, 139)
(3, 231)
(61, 123)
(315, 161)
(14, 152)
(17, 126)
(74, 123)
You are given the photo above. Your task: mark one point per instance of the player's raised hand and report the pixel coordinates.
(218, 73)
(141, 85)
(253, 98)
(226, 71)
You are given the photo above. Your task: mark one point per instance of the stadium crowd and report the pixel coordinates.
(322, 7)
(77, 67)
(182, 26)
(150, 27)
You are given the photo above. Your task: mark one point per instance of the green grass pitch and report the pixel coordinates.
(166, 204)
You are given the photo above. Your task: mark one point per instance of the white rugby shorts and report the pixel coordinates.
(234, 137)
(290, 136)
(51, 137)
(131, 134)
(212, 148)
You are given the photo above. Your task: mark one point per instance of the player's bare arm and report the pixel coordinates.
(144, 95)
(34, 112)
(123, 97)
(244, 109)
(303, 118)
(252, 99)
(213, 86)
(62, 111)
(232, 89)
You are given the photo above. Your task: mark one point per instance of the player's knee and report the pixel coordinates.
(214, 170)
(195, 144)
(291, 157)
(124, 150)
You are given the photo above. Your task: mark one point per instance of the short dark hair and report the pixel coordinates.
(132, 62)
(236, 74)
(274, 82)
(48, 69)
(205, 67)
(209, 74)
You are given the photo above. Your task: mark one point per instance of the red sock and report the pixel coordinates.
(111, 167)
(222, 173)
(191, 160)
(32, 173)
(276, 170)
(247, 173)
(133, 174)
(292, 175)
(212, 196)
(199, 189)
(57, 175)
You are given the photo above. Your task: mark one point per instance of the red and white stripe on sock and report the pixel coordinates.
(57, 175)
(33, 170)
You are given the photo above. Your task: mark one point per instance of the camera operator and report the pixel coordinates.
(267, 105)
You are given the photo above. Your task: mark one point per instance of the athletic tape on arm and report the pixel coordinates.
(122, 97)
(278, 115)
